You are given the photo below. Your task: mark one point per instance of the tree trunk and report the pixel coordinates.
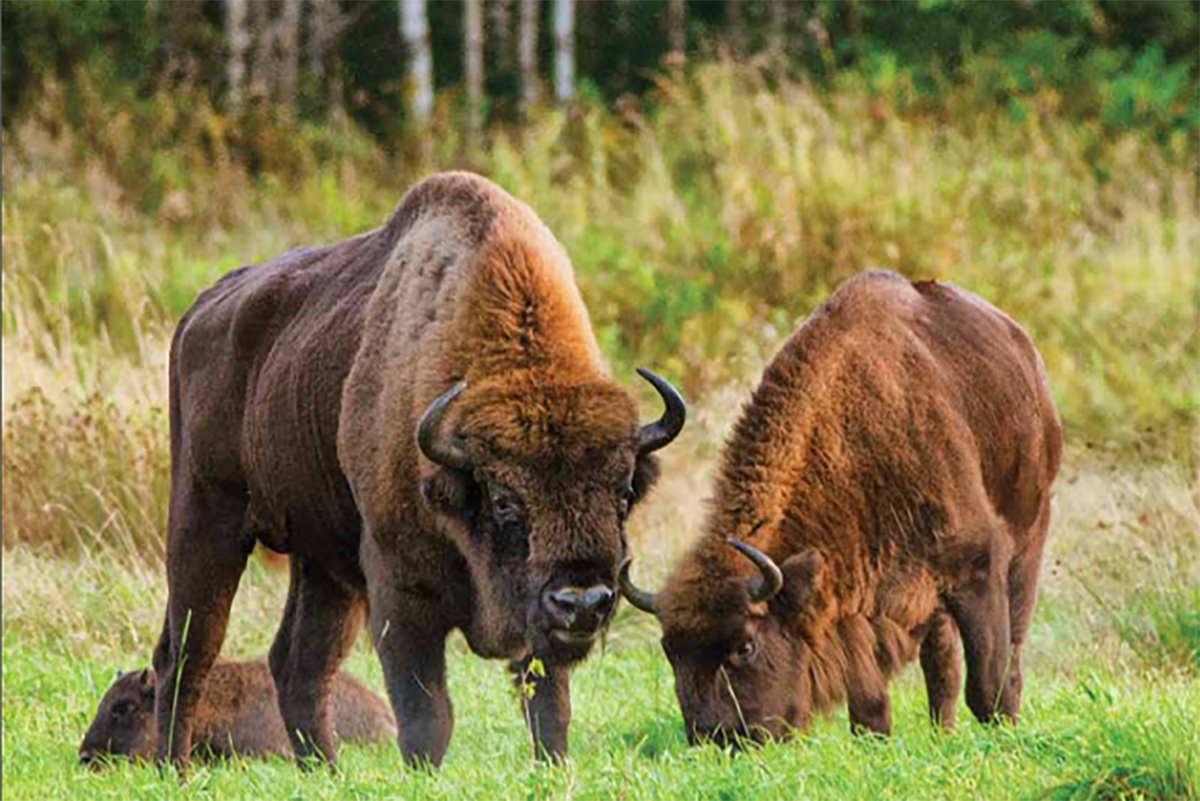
(737, 28)
(528, 56)
(415, 29)
(325, 26)
(777, 33)
(564, 51)
(239, 42)
(473, 47)
(676, 32)
(501, 14)
(289, 55)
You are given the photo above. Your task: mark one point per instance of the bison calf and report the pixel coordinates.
(886, 490)
(238, 714)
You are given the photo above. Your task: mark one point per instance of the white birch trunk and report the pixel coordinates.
(564, 51)
(415, 29)
(528, 55)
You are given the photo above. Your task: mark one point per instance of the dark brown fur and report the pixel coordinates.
(238, 714)
(896, 462)
(296, 389)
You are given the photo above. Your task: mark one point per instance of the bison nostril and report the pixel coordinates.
(598, 600)
(86, 755)
(572, 607)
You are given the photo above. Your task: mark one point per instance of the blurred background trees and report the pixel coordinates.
(382, 61)
(713, 168)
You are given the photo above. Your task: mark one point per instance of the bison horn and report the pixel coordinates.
(641, 599)
(766, 586)
(446, 451)
(660, 433)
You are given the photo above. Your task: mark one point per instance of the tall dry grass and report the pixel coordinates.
(703, 225)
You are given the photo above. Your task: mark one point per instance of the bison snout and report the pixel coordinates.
(579, 610)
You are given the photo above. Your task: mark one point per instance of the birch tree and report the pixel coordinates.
(564, 51)
(239, 42)
(289, 55)
(414, 26)
(676, 32)
(473, 47)
(528, 55)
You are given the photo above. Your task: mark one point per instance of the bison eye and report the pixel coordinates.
(122, 708)
(506, 510)
(744, 654)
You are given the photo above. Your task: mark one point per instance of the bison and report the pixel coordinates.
(238, 714)
(887, 489)
(420, 417)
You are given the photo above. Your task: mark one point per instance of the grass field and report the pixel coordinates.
(701, 233)
(1109, 710)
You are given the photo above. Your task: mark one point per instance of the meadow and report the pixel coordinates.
(704, 225)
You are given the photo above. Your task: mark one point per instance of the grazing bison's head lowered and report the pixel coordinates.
(124, 724)
(541, 480)
(741, 644)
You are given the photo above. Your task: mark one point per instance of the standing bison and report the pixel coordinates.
(420, 418)
(887, 488)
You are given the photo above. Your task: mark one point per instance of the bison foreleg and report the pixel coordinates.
(981, 609)
(545, 691)
(413, 654)
(941, 658)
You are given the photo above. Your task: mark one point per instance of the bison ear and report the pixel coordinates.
(805, 585)
(645, 473)
(451, 492)
(146, 681)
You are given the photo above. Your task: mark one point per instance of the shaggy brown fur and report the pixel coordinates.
(238, 713)
(896, 462)
(296, 390)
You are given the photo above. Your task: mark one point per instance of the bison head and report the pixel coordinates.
(740, 648)
(124, 723)
(540, 480)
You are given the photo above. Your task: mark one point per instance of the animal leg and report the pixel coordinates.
(206, 554)
(866, 686)
(546, 703)
(412, 648)
(321, 620)
(981, 610)
(1022, 592)
(941, 663)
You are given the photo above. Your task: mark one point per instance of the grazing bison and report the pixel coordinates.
(887, 488)
(238, 713)
(420, 417)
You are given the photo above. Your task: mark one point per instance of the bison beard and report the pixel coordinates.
(892, 475)
(420, 418)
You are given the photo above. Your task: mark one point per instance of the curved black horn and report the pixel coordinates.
(447, 451)
(641, 599)
(660, 433)
(766, 586)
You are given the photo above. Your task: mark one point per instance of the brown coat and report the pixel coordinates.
(895, 465)
(238, 714)
(420, 417)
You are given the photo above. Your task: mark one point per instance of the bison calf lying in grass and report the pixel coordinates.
(886, 490)
(238, 714)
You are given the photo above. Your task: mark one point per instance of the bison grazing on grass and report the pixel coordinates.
(886, 490)
(420, 417)
(238, 713)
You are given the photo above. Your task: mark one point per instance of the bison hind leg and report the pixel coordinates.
(206, 554)
(320, 621)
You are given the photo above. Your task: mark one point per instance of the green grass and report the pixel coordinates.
(1091, 732)
(1109, 709)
